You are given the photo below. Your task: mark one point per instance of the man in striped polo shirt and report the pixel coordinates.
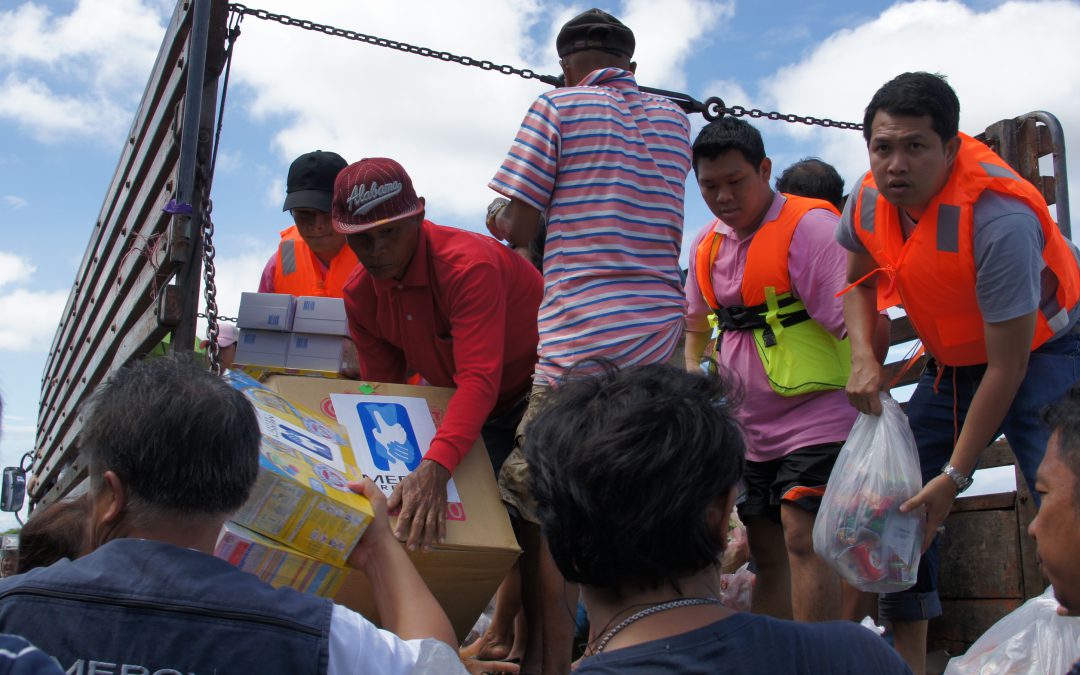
(606, 166)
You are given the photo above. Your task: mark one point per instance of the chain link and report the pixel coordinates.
(213, 351)
(712, 109)
(482, 64)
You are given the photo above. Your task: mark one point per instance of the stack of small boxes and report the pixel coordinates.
(301, 521)
(284, 333)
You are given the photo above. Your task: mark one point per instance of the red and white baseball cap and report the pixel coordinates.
(372, 192)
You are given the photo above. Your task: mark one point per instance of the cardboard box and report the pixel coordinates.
(325, 316)
(464, 572)
(261, 348)
(301, 497)
(277, 564)
(308, 351)
(266, 311)
(261, 373)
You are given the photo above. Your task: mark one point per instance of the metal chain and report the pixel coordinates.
(220, 318)
(213, 351)
(712, 109)
(391, 44)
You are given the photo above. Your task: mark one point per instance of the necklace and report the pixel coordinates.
(662, 607)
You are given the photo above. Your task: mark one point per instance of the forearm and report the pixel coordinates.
(988, 408)
(694, 349)
(518, 223)
(405, 605)
(861, 319)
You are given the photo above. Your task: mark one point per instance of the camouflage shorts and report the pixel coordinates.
(514, 476)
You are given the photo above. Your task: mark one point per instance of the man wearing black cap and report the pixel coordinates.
(312, 259)
(606, 165)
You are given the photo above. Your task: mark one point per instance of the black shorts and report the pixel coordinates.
(798, 478)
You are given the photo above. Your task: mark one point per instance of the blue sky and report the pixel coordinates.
(72, 72)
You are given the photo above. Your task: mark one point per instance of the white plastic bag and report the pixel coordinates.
(859, 529)
(736, 589)
(1032, 639)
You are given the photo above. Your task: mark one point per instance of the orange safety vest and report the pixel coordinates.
(798, 355)
(767, 257)
(932, 274)
(298, 272)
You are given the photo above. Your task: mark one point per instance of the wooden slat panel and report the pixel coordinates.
(964, 621)
(980, 555)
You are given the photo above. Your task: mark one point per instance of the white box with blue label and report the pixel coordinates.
(308, 351)
(301, 497)
(266, 311)
(325, 316)
(261, 348)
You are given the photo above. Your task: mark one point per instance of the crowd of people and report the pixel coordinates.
(621, 432)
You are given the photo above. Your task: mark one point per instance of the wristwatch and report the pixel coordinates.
(962, 482)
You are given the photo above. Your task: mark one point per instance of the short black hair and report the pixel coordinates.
(811, 177)
(1063, 418)
(917, 95)
(623, 465)
(180, 438)
(729, 133)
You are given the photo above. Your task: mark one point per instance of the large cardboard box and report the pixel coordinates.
(464, 572)
(301, 497)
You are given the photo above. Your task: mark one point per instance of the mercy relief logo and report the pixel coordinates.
(361, 199)
(389, 434)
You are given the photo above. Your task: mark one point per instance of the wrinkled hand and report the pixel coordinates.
(378, 532)
(422, 498)
(863, 386)
(493, 210)
(937, 496)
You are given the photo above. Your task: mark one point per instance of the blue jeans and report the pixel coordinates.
(1052, 369)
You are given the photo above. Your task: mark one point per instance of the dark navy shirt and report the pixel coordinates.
(752, 643)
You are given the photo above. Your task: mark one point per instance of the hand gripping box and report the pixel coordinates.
(277, 564)
(301, 497)
(480, 548)
(266, 311)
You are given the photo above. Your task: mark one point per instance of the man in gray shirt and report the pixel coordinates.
(942, 226)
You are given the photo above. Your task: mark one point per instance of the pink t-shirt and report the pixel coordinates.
(776, 425)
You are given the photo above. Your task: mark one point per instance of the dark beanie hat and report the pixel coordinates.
(595, 29)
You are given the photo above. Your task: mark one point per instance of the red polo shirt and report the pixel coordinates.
(463, 315)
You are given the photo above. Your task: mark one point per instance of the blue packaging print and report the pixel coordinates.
(389, 434)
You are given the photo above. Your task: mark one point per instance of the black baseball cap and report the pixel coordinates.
(595, 29)
(311, 181)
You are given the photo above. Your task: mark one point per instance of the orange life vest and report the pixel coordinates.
(798, 355)
(299, 272)
(932, 273)
(767, 257)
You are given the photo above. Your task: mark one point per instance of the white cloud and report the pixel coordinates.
(37, 314)
(1002, 62)
(16, 202)
(103, 49)
(234, 275)
(52, 117)
(450, 126)
(14, 269)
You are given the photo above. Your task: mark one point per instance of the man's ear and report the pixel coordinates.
(111, 499)
(951, 150)
(633, 67)
(766, 169)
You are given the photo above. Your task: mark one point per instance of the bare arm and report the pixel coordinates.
(1008, 346)
(695, 349)
(861, 319)
(517, 223)
(405, 604)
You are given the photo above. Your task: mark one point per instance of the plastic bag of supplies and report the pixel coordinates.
(1033, 640)
(859, 529)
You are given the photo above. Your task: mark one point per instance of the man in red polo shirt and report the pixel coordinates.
(457, 307)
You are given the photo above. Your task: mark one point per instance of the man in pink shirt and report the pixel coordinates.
(769, 261)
